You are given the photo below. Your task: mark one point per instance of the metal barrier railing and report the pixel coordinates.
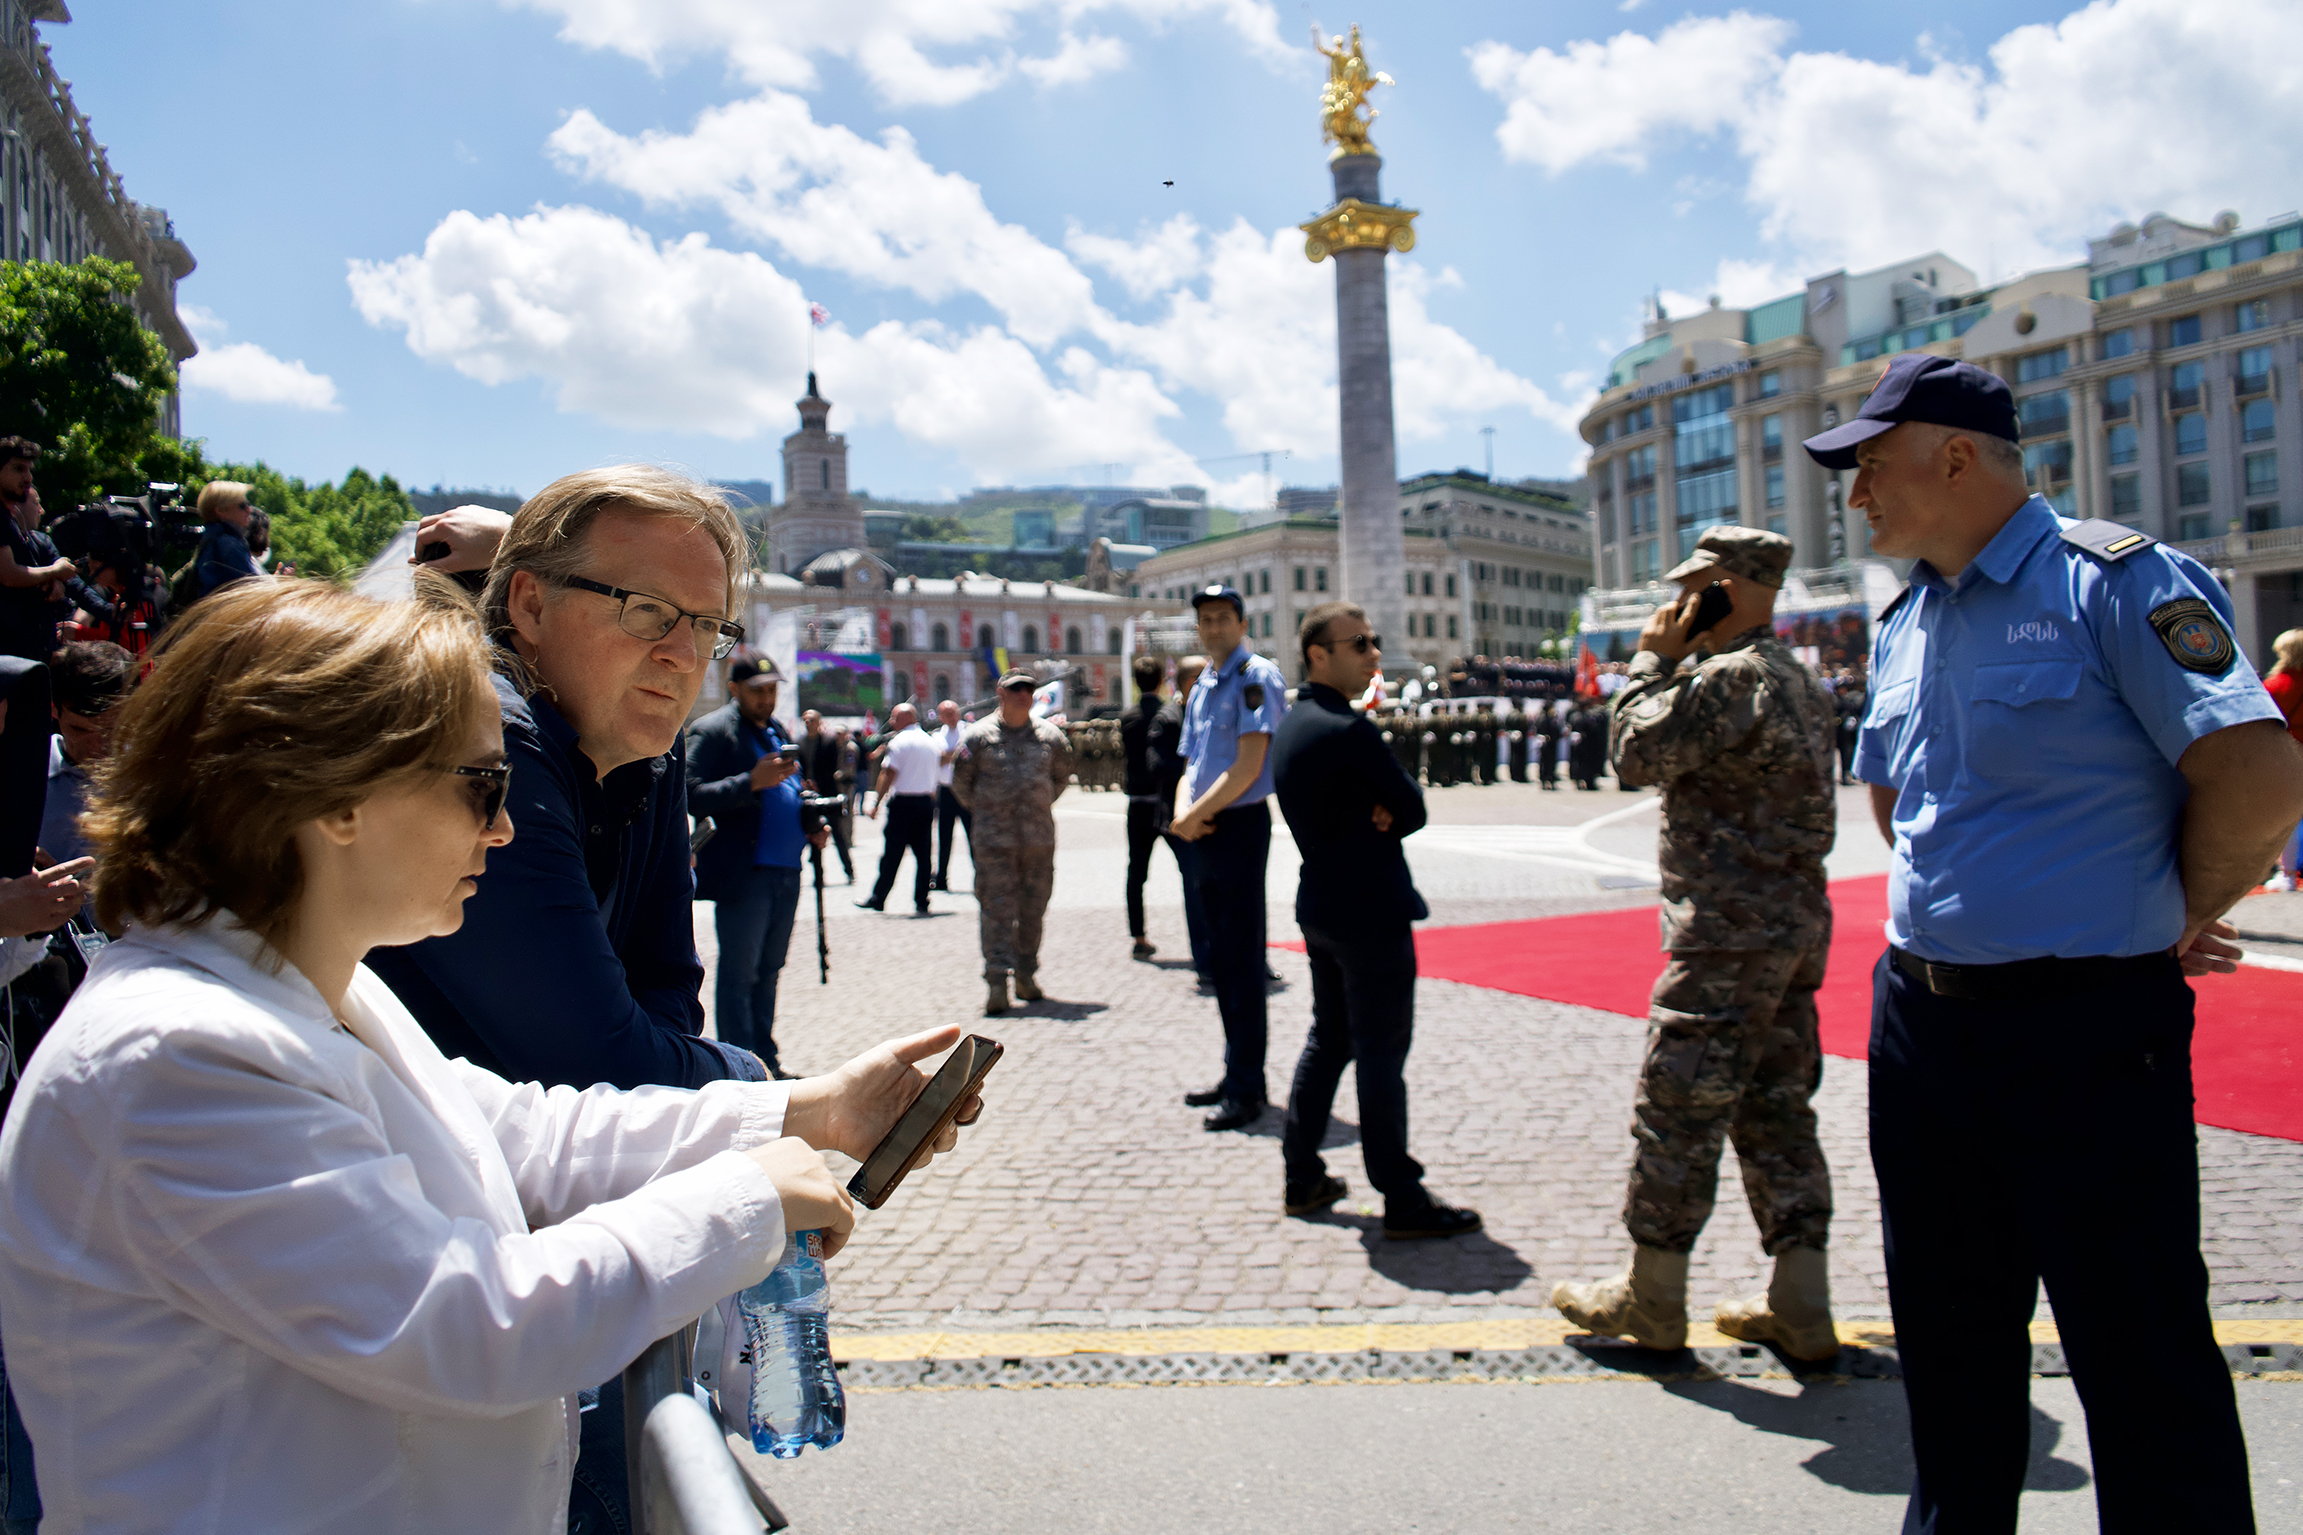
(685, 1479)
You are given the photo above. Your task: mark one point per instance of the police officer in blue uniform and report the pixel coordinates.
(2079, 775)
(1228, 722)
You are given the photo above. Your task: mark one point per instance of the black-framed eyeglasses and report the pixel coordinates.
(490, 786)
(651, 618)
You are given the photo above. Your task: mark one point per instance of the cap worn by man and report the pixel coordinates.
(1920, 387)
(748, 668)
(1752, 553)
(1218, 593)
(1017, 680)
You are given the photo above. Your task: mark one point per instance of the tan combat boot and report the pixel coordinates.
(1795, 1312)
(1647, 1304)
(1028, 987)
(996, 999)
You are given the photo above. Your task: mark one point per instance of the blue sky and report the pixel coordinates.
(485, 242)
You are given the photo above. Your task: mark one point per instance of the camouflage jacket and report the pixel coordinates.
(1740, 742)
(1009, 780)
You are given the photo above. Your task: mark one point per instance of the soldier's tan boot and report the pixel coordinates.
(1647, 1303)
(1795, 1312)
(996, 998)
(1028, 987)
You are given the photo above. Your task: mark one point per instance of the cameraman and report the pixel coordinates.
(224, 555)
(32, 573)
(120, 604)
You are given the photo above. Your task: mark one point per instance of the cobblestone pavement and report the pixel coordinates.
(1090, 1196)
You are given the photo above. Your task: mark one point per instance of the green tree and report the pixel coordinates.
(80, 374)
(325, 530)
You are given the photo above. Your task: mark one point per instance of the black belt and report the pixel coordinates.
(2024, 979)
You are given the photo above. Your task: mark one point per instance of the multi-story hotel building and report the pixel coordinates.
(60, 199)
(2155, 383)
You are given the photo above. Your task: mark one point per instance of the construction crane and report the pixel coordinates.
(1270, 493)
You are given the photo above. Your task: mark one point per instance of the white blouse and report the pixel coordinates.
(259, 1271)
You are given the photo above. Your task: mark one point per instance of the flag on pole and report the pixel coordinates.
(819, 316)
(1586, 672)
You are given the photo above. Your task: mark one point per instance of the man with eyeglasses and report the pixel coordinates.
(1349, 806)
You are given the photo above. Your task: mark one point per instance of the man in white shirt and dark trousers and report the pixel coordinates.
(947, 732)
(907, 787)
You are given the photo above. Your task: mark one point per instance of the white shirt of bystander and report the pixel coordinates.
(947, 740)
(264, 1270)
(913, 755)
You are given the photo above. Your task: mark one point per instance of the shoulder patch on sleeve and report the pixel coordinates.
(2194, 635)
(1252, 695)
(2107, 540)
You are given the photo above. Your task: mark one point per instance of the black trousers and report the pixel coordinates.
(911, 819)
(1362, 1014)
(1144, 823)
(948, 810)
(1229, 863)
(2050, 1140)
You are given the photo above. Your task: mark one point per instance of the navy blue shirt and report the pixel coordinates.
(577, 961)
(224, 557)
(2029, 716)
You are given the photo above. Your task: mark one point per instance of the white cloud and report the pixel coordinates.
(828, 197)
(2009, 163)
(246, 374)
(906, 48)
(1609, 101)
(1148, 265)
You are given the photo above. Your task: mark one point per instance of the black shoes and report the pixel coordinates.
(1144, 950)
(1420, 1222)
(869, 906)
(1205, 1098)
(1234, 1114)
(1315, 1199)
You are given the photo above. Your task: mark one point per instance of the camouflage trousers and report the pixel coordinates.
(1732, 1053)
(1012, 887)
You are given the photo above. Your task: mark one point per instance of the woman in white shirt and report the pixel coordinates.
(268, 1261)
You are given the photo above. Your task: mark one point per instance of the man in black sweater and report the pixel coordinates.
(1149, 768)
(1348, 805)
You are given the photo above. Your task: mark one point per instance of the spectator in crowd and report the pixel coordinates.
(223, 556)
(1011, 769)
(121, 603)
(1172, 768)
(34, 578)
(271, 1260)
(1228, 722)
(87, 680)
(908, 779)
(1587, 744)
(1550, 732)
(2285, 683)
(1349, 806)
(745, 775)
(823, 771)
(1847, 701)
(1145, 750)
(260, 536)
(948, 807)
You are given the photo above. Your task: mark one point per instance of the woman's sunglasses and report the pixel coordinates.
(488, 794)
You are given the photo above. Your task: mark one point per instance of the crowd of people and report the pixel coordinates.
(365, 1122)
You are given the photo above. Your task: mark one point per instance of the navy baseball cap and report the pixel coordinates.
(1918, 387)
(1218, 594)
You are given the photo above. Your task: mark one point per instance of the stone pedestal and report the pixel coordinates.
(1357, 233)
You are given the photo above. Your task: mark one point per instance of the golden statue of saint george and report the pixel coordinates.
(1345, 94)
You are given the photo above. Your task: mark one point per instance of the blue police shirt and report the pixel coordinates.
(2029, 716)
(1247, 694)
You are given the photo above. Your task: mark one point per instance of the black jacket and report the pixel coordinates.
(1148, 736)
(720, 758)
(1331, 769)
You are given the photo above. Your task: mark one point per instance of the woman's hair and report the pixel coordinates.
(2288, 649)
(269, 705)
(218, 495)
(547, 535)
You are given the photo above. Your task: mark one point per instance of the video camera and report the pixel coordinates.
(130, 533)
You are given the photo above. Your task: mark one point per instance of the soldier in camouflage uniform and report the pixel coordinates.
(1741, 744)
(1010, 769)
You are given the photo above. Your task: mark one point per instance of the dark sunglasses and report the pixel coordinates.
(1363, 643)
(488, 795)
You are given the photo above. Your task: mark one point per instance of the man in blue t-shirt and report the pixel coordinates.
(743, 772)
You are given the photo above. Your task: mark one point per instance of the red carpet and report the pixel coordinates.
(2244, 1061)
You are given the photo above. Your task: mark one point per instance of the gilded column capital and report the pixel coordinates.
(1354, 225)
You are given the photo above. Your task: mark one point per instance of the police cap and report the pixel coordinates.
(1920, 387)
(1218, 594)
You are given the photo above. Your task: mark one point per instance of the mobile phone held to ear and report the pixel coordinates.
(1712, 608)
(931, 1113)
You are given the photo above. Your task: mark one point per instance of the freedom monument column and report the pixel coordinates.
(1357, 231)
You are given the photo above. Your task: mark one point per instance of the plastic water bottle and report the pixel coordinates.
(796, 1397)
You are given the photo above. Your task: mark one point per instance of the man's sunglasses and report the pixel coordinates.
(1363, 643)
(493, 783)
(651, 618)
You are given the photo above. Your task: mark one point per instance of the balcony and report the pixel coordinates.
(2247, 385)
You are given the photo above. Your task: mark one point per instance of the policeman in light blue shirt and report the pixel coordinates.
(2079, 775)
(1227, 729)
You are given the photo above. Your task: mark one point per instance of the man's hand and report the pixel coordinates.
(1382, 819)
(772, 770)
(820, 838)
(812, 1198)
(852, 1109)
(2208, 950)
(1665, 632)
(1188, 827)
(44, 900)
(470, 532)
(872, 811)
